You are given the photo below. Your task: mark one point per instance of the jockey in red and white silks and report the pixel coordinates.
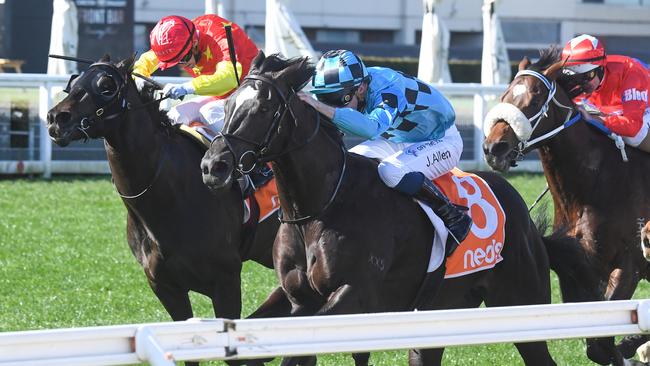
(613, 87)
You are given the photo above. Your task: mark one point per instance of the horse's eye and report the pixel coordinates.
(264, 109)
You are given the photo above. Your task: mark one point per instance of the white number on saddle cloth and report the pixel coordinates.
(481, 249)
(476, 199)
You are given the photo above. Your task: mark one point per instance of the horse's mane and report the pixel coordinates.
(547, 57)
(147, 95)
(275, 63)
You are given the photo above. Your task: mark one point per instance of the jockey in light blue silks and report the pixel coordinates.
(408, 125)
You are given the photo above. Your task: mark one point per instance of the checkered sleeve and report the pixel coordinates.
(359, 124)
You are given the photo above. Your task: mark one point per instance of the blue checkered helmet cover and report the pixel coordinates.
(337, 70)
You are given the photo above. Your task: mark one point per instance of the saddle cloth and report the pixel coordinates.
(482, 248)
(267, 199)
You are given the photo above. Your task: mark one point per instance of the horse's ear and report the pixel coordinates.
(299, 79)
(105, 58)
(257, 61)
(127, 63)
(524, 63)
(553, 71)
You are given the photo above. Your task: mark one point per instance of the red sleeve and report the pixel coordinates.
(634, 97)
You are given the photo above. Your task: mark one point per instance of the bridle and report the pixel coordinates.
(570, 119)
(106, 108)
(260, 150)
(109, 108)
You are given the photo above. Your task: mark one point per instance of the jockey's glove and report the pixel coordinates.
(139, 83)
(177, 91)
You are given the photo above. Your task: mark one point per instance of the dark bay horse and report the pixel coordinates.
(348, 243)
(599, 199)
(184, 237)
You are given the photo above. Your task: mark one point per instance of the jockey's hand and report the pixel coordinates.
(323, 108)
(177, 91)
(588, 116)
(139, 83)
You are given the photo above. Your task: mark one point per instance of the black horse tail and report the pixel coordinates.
(576, 270)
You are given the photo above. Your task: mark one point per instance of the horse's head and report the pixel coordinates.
(95, 98)
(532, 110)
(261, 117)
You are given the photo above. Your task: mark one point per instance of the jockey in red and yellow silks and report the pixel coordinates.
(615, 86)
(200, 47)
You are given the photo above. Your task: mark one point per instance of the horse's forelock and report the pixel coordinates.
(547, 57)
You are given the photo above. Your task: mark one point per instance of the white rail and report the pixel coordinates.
(47, 83)
(164, 343)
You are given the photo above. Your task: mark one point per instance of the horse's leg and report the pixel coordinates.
(630, 344)
(427, 299)
(625, 285)
(426, 357)
(622, 283)
(344, 300)
(175, 300)
(276, 305)
(535, 353)
(532, 286)
(226, 295)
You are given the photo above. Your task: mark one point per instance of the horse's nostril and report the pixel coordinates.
(500, 148)
(214, 168)
(62, 117)
(219, 167)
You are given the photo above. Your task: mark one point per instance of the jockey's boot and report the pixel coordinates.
(454, 217)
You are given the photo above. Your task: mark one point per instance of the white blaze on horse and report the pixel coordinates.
(645, 241)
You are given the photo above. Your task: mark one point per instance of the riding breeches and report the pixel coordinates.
(433, 158)
(207, 110)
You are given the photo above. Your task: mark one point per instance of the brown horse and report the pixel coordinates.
(599, 199)
(348, 243)
(184, 237)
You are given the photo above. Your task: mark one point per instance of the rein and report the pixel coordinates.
(153, 180)
(569, 120)
(260, 150)
(117, 99)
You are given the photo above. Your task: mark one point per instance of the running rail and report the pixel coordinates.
(164, 343)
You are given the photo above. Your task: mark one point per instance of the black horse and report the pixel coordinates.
(348, 243)
(599, 199)
(185, 237)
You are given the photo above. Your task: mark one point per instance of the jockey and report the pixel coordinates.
(200, 47)
(614, 87)
(408, 125)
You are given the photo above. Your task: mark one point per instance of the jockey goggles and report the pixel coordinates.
(339, 98)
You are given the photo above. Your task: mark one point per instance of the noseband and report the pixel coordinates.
(525, 143)
(534, 120)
